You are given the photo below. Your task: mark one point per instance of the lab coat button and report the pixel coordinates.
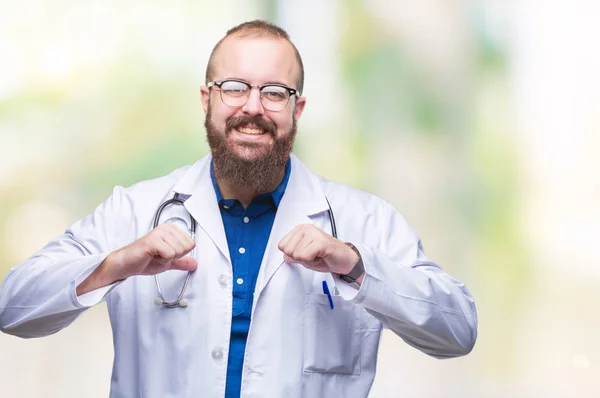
(217, 354)
(223, 280)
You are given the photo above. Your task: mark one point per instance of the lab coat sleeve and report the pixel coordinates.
(411, 295)
(37, 297)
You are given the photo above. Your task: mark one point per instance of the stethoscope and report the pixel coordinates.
(181, 301)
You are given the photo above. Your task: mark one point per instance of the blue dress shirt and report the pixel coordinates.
(247, 232)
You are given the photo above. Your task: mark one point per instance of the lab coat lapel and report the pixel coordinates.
(303, 197)
(287, 218)
(202, 203)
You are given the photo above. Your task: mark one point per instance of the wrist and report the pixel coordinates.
(110, 268)
(356, 272)
(105, 274)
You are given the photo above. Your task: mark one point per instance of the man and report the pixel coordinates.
(275, 306)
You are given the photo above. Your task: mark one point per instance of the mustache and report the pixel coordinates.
(235, 122)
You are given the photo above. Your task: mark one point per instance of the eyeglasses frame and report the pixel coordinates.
(219, 83)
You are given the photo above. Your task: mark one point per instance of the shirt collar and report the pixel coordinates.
(276, 195)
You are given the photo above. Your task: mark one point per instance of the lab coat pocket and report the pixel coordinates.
(331, 336)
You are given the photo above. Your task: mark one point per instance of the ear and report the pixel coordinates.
(205, 94)
(299, 108)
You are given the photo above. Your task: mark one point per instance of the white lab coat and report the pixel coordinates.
(297, 346)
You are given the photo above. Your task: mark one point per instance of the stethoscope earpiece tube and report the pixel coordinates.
(331, 220)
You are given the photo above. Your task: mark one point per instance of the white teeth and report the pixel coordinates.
(247, 130)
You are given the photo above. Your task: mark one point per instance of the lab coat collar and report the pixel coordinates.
(303, 197)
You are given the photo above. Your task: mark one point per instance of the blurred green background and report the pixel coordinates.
(478, 120)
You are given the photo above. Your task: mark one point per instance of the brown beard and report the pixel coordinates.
(260, 175)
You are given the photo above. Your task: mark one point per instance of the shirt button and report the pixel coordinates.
(225, 207)
(242, 250)
(217, 354)
(246, 220)
(240, 281)
(223, 280)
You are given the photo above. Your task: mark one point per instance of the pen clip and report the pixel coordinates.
(328, 293)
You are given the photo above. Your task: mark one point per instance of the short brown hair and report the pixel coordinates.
(257, 28)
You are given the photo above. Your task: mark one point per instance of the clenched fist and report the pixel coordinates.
(317, 250)
(164, 248)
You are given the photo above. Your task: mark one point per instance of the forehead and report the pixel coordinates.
(257, 60)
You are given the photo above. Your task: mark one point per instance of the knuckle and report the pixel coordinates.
(182, 250)
(160, 260)
(301, 255)
(147, 243)
(168, 253)
(160, 228)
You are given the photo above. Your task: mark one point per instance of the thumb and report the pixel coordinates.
(185, 263)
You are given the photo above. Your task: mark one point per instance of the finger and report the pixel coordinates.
(162, 251)
(305, 250)
(180, 240)
(174, 244)
(293, 241)
(316, 265)
(285, 240)
(174, 231)
(310, 257)
(182, 234)
(184, 264)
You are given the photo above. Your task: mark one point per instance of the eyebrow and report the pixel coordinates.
(276, 82)
(267, 82)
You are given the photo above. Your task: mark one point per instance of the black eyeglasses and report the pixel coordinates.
(235, 93)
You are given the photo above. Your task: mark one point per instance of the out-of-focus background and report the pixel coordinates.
(478, 119)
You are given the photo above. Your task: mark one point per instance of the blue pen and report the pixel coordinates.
(326, 291)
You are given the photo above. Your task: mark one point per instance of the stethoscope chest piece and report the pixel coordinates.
(183, 302)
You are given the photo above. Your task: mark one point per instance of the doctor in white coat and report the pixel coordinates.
(299, 343)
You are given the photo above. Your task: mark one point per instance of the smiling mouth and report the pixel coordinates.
(250, 130)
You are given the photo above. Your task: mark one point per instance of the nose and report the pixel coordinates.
(253, 106)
